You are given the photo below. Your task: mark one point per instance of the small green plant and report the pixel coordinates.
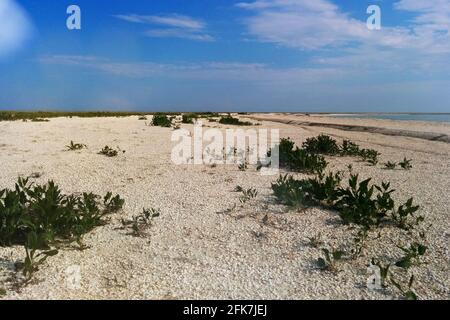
(248, 194)
(349, 148)
(140, 223)
(75, 146)
(407, 292)
(161, 120)
(406, 164)
(109, 152)
(35, 257)
(390, 165)
(330, 259)
(290, 192)
(316, 241)
(356, 204)
(404, 212)
(2, 292)
(412, 255)
(370, 156)
(238, 189)
(360, 241)
(112, 204)
(321, 144)
(142, 118)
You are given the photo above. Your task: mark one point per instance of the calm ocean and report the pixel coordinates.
(402, 116)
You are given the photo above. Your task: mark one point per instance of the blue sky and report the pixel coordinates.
(247, 55)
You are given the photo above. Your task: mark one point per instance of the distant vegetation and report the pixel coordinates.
(39, 115)
(234, 121)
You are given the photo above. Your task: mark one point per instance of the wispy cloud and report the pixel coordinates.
(257, 73)
(15, 27)
(319, 24)
(176, 26)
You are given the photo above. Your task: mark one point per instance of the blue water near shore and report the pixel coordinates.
(402, 116)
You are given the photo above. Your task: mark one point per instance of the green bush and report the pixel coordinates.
(321, 144)
(188, 118)
(358, 203)
(161, 120)
(41, 216)
(50, 214)
(296, 159)
(349, 148)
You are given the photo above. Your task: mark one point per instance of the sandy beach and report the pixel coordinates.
(198, 250)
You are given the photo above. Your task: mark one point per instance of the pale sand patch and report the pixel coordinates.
(194, 252)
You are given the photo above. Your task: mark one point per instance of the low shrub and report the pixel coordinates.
(161, 120)
(109, 152)
(46, 211)
(300, 160)
(188, 118)
(356, 203)
(321, 144)
(40, 216)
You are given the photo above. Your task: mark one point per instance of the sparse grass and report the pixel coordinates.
(75, 146)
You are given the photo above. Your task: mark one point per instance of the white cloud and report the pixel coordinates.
(15, 27)
(319, 24)
(235, 71)
(177, 26)
(173, 20)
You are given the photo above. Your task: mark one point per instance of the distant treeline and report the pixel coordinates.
(33, 115)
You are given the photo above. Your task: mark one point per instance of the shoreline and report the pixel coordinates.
(431, 136)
